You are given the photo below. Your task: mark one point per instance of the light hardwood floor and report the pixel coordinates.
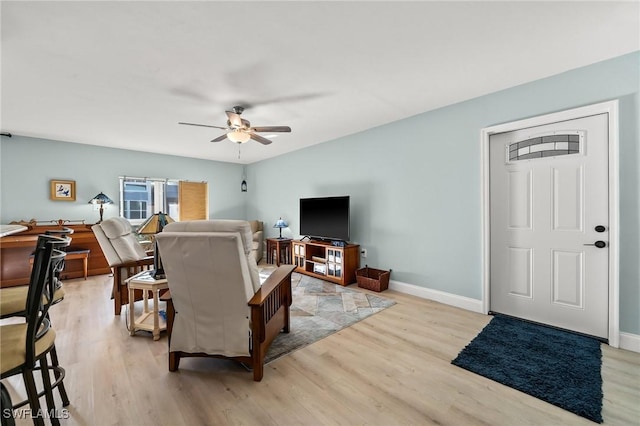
(391, 368)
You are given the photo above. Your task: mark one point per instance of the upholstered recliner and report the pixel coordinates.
(217, 306)
(257, 233)
(125, 256)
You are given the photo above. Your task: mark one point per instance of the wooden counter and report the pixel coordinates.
(15, 250)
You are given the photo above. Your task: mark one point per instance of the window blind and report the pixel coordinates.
(193, 200)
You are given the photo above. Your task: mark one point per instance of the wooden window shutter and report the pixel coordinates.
(193, 200)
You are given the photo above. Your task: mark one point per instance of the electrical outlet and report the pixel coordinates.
(363, 252)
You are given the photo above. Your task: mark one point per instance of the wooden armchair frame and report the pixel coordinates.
(270, 314)
(120, 273)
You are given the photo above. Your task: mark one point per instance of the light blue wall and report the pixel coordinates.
(415, 184)
(28, 164)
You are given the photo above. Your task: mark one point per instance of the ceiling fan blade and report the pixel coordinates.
(258, 138)
(234, 119)
(203, 125)
(271, 129)
(219, 138)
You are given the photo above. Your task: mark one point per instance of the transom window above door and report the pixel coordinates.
(542, 146)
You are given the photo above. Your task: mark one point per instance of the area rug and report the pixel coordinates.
(320, 309)
(555, 366)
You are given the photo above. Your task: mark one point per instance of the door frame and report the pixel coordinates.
(610, 108)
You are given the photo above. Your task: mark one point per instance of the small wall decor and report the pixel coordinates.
(63, 190)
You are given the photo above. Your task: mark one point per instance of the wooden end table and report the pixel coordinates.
(279, 250)
(148, 320)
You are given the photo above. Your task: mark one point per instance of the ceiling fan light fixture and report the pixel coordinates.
(239, 130)
(238, 136)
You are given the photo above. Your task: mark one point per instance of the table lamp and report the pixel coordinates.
(154, 224)
(280, 224)
(102, 200)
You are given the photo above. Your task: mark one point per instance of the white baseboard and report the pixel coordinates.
(628, 341)
(462, 302)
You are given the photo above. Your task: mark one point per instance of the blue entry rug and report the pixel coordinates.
(555, 366)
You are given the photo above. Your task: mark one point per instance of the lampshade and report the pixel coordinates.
(101, 199)
(154, 223)
(238, 136)
(280, 224)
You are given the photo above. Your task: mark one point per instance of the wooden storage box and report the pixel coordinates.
(373, 279)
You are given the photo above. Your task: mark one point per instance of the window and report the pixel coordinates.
(552, 145)
(135, 200)
(142, 197)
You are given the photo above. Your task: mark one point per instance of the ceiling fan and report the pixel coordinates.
(240, 131)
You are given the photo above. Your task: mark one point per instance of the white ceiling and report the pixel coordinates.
(122, 74)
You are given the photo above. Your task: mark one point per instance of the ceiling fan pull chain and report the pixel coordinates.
(238, 151)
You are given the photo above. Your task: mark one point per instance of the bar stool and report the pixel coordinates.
(24, 344)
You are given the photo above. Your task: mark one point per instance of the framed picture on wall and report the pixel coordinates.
(63, 190)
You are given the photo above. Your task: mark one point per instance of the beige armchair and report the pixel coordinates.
(257, 232)
(125, 256)
(217, 306)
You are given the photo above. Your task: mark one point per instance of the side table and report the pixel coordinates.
(149, 320)
(279, 250)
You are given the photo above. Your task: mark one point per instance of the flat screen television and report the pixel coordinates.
(325, 218)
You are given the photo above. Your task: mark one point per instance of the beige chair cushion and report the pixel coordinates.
(255, 246)
(257, 229)
(13, 300)
(117, 241)
(256, 225)
(13, 340)
(210, 284)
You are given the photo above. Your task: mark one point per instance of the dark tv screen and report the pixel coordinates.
(325, 218)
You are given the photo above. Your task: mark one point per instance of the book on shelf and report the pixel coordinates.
(320, 268)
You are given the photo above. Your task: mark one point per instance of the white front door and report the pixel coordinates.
(549, 204)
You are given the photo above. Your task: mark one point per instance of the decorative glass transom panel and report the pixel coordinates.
(545, 146)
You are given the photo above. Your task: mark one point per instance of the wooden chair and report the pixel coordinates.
(125, 256)
(25, 344)
(217, 307)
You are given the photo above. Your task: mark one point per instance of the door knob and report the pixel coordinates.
(599, 244)
(600, 228)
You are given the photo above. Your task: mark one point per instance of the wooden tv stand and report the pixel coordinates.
(322, 260)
